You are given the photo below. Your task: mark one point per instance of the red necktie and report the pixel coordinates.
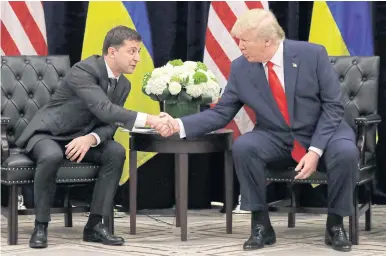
(278, 93)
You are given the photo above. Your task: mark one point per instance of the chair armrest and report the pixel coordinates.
(4, 140)
(363, 123)
(368, 120)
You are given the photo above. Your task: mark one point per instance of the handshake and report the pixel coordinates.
(164, 124)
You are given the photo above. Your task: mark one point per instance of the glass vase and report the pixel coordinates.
(178, 109)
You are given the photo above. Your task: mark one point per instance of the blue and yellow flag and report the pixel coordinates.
(344, 28)
(103, 16)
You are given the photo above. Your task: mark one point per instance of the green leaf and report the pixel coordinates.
(143, 89)
(183, 96)
(205, 100)
(154, 97)
(172, 100)
(165, 95)
(185, 81)
(146, 78)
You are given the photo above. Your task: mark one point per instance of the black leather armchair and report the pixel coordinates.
(27, 82)
(358, 78)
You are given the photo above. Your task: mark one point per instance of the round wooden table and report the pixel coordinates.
(219, 141)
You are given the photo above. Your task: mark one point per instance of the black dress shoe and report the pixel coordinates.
(100, 234)
(336, 237)
(39, 236)
(260, 236)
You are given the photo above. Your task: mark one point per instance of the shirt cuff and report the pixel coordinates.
(182, 128)
(96, 136)
(140, 121)
(316, 150)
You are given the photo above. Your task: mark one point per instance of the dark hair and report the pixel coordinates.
(117, 35)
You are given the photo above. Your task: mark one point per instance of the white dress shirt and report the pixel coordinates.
(278, 67)
(140, 121)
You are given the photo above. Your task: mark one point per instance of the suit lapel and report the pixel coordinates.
(291, 67)
(255, 73)
(104, 79)
(259, 80)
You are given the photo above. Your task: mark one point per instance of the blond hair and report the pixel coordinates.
(260, 21)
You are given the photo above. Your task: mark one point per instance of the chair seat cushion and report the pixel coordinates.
(18, 168)
(277, 173)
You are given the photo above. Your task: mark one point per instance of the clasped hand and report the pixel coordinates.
(165, 125)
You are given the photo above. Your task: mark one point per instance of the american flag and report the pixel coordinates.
(221, 49)
(23, 28)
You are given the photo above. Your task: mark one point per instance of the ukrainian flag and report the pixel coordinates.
(101, 17)
(344, 28)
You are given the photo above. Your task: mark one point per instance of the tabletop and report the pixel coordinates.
(148, 140)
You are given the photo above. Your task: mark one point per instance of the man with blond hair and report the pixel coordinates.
(296, 96)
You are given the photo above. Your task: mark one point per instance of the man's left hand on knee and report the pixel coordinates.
(307, 165)
(78, 147)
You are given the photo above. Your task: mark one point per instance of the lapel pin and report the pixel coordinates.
(294, 65)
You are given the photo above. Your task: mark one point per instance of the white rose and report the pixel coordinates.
(174, 88)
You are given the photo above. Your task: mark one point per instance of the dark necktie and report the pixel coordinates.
(298, 150)
(112, 84)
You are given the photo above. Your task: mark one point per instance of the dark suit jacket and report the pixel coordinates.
(313, 97)
(80, 106)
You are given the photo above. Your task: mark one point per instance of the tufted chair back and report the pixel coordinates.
(358, 78)
(27, 83)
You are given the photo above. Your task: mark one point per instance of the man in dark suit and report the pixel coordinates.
(295, 93)
(78, 123)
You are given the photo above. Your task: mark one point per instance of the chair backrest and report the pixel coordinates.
(359, 77)
(27, 83)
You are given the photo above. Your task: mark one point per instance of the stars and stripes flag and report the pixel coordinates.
(23, 28)
(221, 49)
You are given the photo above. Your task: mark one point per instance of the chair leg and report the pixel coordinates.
(13, 215)
(133, 191)
(354, 219)
(68, 207)
(292, 215)
(369, 192)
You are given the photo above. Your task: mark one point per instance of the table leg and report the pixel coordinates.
(182, 169)
(228, 169)
(133, 191)
(177, 188)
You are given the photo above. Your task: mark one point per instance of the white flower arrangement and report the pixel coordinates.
(182, 81)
